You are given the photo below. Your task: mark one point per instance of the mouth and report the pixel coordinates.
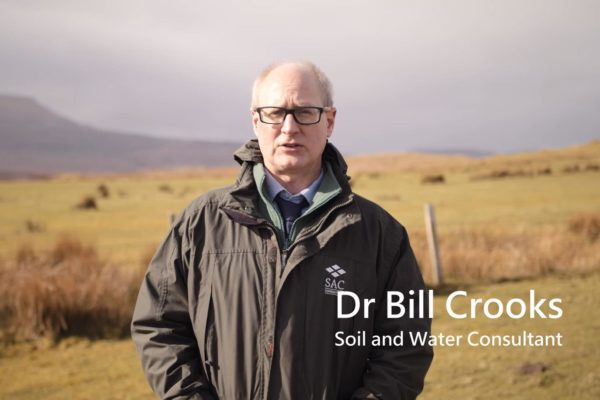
(290, 145)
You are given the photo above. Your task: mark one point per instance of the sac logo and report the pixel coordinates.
(334, 279)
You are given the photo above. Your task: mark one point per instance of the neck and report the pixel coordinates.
(294, 183)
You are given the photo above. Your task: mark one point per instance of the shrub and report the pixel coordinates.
(571, 169)
(433, 179)
(501, 174)
(165, 188)
(545, 171)
(32, 226)
(103, 191)
(87, 203)
(592, 167)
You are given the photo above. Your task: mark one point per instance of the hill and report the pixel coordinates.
(34, 140)
(582, 155)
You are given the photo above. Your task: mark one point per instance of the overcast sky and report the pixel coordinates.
(488, 75)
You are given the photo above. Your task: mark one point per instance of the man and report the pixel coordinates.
(240, 301)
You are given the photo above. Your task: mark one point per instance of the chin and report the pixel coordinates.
(290, 168)
(291, 163)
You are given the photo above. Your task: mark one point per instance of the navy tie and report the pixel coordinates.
(290, 211)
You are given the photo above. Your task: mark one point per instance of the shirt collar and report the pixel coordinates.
(274, 188)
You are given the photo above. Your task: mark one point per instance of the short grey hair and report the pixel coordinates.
(324, 82)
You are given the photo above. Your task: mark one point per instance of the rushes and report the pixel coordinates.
(587, 225)
(489, 254)
(69, 290)
(66, 291)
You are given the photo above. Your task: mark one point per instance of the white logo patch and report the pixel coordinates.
(332, 282)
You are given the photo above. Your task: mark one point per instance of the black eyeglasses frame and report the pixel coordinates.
(291, 111)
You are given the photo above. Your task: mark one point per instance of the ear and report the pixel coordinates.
(255, 121)
(330, 120)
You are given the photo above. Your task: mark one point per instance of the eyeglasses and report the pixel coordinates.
(302, 115)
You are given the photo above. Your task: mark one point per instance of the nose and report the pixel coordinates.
(289, 125)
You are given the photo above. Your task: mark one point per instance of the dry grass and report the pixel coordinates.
(408, 162)
(174, 173)
(66, 291)
(528, 163)
(470, 255)
(69, 290)
(585, 153)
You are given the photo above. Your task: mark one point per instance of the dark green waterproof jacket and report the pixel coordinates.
(231, 309)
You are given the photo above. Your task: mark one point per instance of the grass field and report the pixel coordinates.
(136, 213)
(491, 231)
(133, 217)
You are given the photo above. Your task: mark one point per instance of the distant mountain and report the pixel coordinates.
(35, 140)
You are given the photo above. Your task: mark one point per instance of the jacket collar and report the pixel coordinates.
(244, 196)
(250, 152)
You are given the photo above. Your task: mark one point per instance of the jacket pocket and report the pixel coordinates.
(211, 363)
(232, 330)
(204, 318)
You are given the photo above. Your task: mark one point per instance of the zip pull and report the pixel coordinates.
(270, 347)
(284, 255)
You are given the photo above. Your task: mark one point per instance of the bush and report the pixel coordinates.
(165, 188)
(32, 226)
(87, 203)
(103, 191)
(433, 179)
(571, 169)
(592, 167)
(501, 174)
(545, 171)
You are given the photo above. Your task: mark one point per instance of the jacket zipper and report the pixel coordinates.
(300, 239)
(288, 246)
(270, 346)
(284, 255)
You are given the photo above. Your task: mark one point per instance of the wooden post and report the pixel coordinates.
(436, 265)
(172, 217)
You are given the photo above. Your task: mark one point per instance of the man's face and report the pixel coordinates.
(290, 149)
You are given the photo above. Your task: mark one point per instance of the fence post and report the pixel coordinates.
(436, 265)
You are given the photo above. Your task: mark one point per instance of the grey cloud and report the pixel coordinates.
(470, 74)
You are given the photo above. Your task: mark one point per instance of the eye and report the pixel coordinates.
(306, 112)
(273, 113)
